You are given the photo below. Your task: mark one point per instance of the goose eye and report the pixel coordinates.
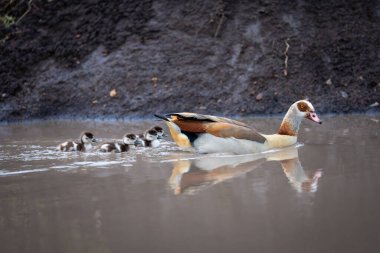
(302, 107)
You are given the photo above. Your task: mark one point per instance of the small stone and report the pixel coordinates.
(374, 104)
(95, 101)
(361, 78)
(259, 96)
(344, 94)
(4, 95)
(203, 107)
(328, 81)
(113, 93)
(219, 101)
(154, 81)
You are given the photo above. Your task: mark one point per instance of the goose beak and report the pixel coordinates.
(94, 140)
(313, 117)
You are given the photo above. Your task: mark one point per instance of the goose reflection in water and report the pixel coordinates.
(191, 176)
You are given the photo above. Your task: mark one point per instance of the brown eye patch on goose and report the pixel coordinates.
(303, 107)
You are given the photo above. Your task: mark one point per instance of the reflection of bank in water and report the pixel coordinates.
(190, 176)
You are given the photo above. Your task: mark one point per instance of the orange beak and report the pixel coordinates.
(313, 117)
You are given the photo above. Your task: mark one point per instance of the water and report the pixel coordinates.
(320, 196)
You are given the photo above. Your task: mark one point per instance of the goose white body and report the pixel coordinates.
(208, 143)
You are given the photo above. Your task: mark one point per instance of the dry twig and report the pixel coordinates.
(26, 12)
(286, 57)
(219, 25)
(222, 17)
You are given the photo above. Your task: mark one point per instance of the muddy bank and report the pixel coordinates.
(63, 58)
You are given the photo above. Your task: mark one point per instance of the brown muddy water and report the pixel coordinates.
(319, 196)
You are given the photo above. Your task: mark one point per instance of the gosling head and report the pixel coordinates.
(87, 137)
(130, 139)
(151, 135)
(160, 131)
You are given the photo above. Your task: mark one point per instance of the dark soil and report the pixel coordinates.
(63, 57)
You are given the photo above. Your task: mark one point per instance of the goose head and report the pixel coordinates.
(298, 111)
(306, 110)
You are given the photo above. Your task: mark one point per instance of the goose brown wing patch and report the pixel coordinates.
(226, 130)
(191, 126)
(217, 126)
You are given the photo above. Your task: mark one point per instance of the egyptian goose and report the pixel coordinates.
(129, 140)
(211, 134)
(86, 141)
(158, 129)
(149, 139)
(160, 132)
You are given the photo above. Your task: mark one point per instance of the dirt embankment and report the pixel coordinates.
(62, 58)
